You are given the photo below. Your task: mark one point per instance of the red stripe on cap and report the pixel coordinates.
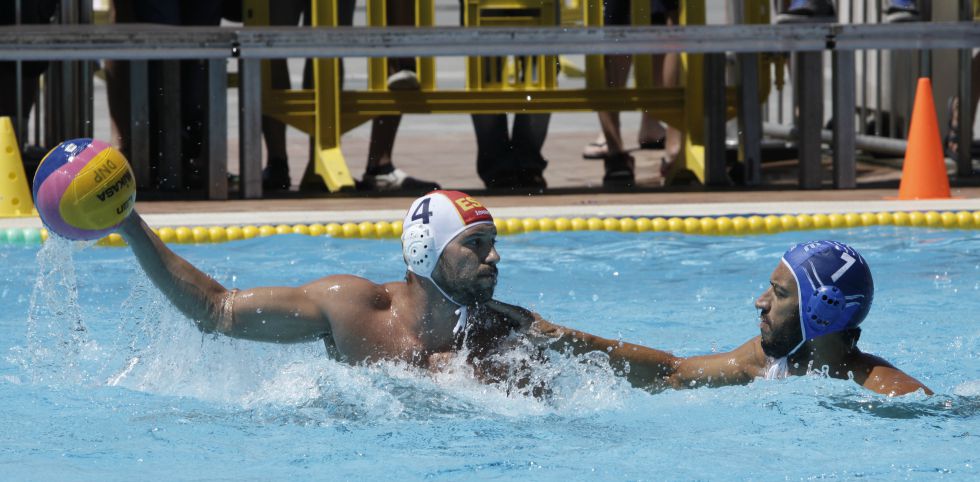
(470, 210)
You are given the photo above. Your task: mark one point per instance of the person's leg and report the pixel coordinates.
(194, 93)
(117, 82)
(401, 70)
(383, 131)
(610, 142)
(617, 163)
(671, 78)
(652, 132)
(527, 139)
(952, 140)
(974, 85)
(384, 128)
(617, 74)
(380, 173)
(167, 13)
(275, 176)
(117, 94)
(494, 156)
(276, 173)
(193, 101)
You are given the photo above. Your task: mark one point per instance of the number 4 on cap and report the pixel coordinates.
(422, 211)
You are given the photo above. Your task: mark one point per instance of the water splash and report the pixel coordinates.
(56, 333)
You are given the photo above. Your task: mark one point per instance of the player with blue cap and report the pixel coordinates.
(818, 295)
(834, 285)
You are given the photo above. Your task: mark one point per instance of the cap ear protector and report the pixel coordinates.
(419, 248)
(825, 306)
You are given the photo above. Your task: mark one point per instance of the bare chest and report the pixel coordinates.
(381, 335)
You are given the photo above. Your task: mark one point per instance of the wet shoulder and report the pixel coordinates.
(350, 290)
(878, 375)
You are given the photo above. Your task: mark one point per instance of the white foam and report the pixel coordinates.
(968, 389)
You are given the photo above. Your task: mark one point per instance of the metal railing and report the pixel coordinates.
(147, 42)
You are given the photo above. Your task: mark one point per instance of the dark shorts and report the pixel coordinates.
(617, 12)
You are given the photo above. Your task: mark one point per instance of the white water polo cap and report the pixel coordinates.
(432, 222)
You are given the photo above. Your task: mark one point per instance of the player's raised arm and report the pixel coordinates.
(274, 314)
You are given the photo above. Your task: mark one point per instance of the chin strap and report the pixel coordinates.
(802, 335)
(461, 311)
(791, 352)
(461, 322)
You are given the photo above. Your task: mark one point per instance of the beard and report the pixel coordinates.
(778, 343)
(476, 290)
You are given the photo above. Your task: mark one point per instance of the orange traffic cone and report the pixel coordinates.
(924, 171)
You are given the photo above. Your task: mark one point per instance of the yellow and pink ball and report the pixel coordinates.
(84, 189)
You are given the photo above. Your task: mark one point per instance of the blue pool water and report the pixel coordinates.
(100, 376)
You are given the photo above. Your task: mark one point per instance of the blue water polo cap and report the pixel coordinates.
(835, 286)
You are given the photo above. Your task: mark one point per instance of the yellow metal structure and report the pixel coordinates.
(525, 84)
(328, 159)
(528, 72)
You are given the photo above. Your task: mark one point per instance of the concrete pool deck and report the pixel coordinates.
(389, 208)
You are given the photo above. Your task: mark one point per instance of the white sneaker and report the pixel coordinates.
(386, 182)
(403, 80)
(396, 180)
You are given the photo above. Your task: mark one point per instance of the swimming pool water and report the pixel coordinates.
(99, 376)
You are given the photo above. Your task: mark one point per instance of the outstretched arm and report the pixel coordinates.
(648, 367)
(642, 366)
(654, 368)
(280, 314)
(736, 367)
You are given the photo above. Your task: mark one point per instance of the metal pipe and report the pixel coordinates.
(714, 120)
(964, 161)
(780, 98)
(809, 119)
(19, 88)
(881, 145)
(864, 75)
(38, 110)
(84, 83)
(843, 93)
(130, 42)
